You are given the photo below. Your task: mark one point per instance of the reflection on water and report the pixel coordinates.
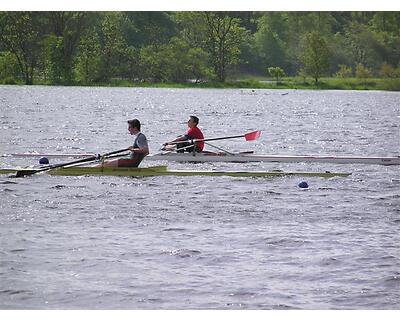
(200, 242)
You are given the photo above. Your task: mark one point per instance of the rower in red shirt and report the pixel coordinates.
(192, 133)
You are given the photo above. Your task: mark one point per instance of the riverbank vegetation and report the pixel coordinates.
(285, 50)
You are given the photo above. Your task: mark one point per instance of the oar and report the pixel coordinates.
(23, 173)
(49, 155)
(248, 136)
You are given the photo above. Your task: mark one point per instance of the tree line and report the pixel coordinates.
(99, 47)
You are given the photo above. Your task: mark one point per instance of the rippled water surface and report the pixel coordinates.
(201, 242)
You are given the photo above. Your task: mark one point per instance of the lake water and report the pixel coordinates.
(201, 242)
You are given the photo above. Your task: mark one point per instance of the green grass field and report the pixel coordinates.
(285, 83)
(255, 82)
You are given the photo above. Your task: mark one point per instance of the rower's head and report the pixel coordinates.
(134, 126)
(193, 121)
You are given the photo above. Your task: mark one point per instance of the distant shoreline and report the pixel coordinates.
(387, 84)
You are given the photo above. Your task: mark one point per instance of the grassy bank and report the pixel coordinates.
(323, 84)
(258, 83)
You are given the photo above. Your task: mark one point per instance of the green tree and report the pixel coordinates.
(387, 71)
(67, 29)
(178, 63)
(364, 45)
(8, 67)
(198, 65)
(184, 62)
(315, 56)
(152, 61)
(344, 71)
(132, 64)
(148, 28)
(62, 47)
(21, 35)
(363, 72)
(52, 55)
(113, 46)
(192, 28)
(223, 40)
(386, 26)
(88, 61)
(298, 25)
(219, 34)
(276, 72)
(270, 39)
(340, 53)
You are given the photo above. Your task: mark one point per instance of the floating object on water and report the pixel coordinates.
(44, 160)
(303, 185)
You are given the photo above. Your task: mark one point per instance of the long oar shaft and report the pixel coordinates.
(33, 171)
(49, 155)
(220, 138)
(248, 136)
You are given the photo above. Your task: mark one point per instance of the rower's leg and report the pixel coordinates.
(180, 147)
(109, 164)
(132, 162)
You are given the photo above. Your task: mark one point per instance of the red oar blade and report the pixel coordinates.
(252, 135)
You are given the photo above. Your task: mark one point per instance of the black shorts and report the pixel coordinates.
(188, 149)
(131, 162)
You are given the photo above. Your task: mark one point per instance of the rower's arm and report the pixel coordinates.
(181, 138)
(144, 150)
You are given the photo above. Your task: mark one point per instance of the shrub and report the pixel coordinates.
(344, 71)
(276, 72)
(363, 72)
(392, 84)
(303, 75)
(387, 71)
(9, 80)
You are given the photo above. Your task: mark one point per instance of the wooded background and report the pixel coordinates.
(97, 47)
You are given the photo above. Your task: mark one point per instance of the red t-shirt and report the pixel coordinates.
(195, 133)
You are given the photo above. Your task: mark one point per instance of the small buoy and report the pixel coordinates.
(44, 160)
(303, 184)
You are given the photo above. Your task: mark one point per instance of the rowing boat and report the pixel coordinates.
(163, 171)
(249, 157)
(237, 157)
(242, 157)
